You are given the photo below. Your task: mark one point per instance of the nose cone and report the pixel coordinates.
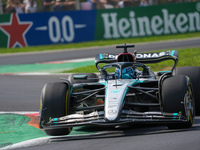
(112, 112)
(115, 94)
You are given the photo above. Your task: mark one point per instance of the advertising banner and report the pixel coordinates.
(148, 21)
(20, 30)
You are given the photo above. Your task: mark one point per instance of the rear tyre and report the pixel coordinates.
(92, 77)
(194, 74)
(177, 96)
(54, 103)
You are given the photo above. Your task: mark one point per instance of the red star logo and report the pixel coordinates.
(16, 31)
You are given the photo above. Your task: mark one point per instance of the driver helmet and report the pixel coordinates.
(127, 73)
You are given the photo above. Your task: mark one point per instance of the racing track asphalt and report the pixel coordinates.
(27, 58)
(136, 138)
(21, 93)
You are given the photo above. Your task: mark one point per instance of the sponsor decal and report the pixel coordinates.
(109, 77)
(150, 55)
(107, 56)
(116, 91)
(111, 56)
(112, 112)
(112, 106)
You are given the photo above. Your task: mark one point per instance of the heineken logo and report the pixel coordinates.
(134, 26)
(15, 31)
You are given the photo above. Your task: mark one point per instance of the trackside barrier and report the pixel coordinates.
(20, 30)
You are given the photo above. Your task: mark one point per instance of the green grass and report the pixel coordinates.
(187, 57)
(98, 43)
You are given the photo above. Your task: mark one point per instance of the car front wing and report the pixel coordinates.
(126, 117)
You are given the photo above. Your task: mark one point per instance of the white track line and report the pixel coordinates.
(28, 143)
(18, 112)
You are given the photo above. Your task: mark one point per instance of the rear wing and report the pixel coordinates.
(145, 58)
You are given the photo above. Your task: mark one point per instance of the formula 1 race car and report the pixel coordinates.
(126, 92)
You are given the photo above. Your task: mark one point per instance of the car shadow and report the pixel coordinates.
(134, 130)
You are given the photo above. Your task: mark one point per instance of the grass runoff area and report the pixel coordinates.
(99, 43)
(187, 56)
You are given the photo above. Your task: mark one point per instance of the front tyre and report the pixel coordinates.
(54, 103)
(177, 96)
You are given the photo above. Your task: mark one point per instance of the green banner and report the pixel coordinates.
(147, 21)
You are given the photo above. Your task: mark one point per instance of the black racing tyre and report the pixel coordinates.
(177, 93)
(92, 77)
(54, 103)
(194, 74)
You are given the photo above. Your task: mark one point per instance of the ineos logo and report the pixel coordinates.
(112, 112)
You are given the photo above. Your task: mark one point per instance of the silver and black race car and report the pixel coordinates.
(125, 92)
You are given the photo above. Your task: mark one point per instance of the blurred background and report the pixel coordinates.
(31, 6)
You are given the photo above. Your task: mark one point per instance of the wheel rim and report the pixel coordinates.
(189, 105)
